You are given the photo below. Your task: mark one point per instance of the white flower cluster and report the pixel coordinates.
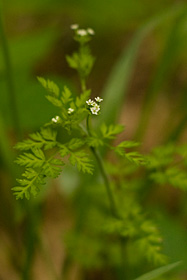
(70, 110)
(94, 105)
(56, 119)
(82, 32)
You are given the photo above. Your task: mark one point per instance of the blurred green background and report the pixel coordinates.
(140, 70)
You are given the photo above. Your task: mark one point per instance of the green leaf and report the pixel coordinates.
(28, 144)
(136, 158)
(82, 161)
(72, 61)
(55, 101)
(81, 100)
(149, 246)
(162, 156)
(50, 86)
(29, 186)
(46, 138)
(66, 96)
(31, 160)
(177, 177)
(120, 149)
(109, 132)
(82, 61)
(94, 141)
(51, 168)
(75, 143)
(158, 272)
(48, 134)
(64, 151)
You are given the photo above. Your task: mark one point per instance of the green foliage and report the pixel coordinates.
(106, 133)
(109, 132)
(50, 86)
(30, 185)
(41, 164)
(111, 209)
(168, 166)
(46, 139)
(38, 164)
(82, 61)
(81, 160)
(134, 157)
(142, 232)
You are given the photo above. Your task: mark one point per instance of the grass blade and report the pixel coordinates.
(162, 73)
(158, 272)
(10, 81)
(118, 81)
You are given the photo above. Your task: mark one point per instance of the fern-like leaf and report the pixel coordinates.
(136, 158)
(110, 132)
(52, 167)
(29, 186)
(50, 86)
(35, 159)
(120, 149)
(81, 160)
(46, 138)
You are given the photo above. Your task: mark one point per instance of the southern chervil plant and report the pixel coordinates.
(44, 154)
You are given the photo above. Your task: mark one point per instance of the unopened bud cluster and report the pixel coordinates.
(94, 106)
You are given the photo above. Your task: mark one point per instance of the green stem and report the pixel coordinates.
(83, 85)
(106, 180)
(107, 183)
(10, 83)
(113, 206)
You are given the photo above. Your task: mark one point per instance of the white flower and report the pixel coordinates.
(70, 110)
(90, 102)
(74, 26)
(90, 31)
(98, 99)
(82, 32)
(95, 109)
(56, 119)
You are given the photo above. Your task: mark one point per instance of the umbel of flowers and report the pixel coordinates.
(82, 32)
(94, 106)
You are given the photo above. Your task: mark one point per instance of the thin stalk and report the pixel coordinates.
(113, 207)
(83, 85)
(99, 160)
(10, 83)
(106, 180)
(107, 183)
